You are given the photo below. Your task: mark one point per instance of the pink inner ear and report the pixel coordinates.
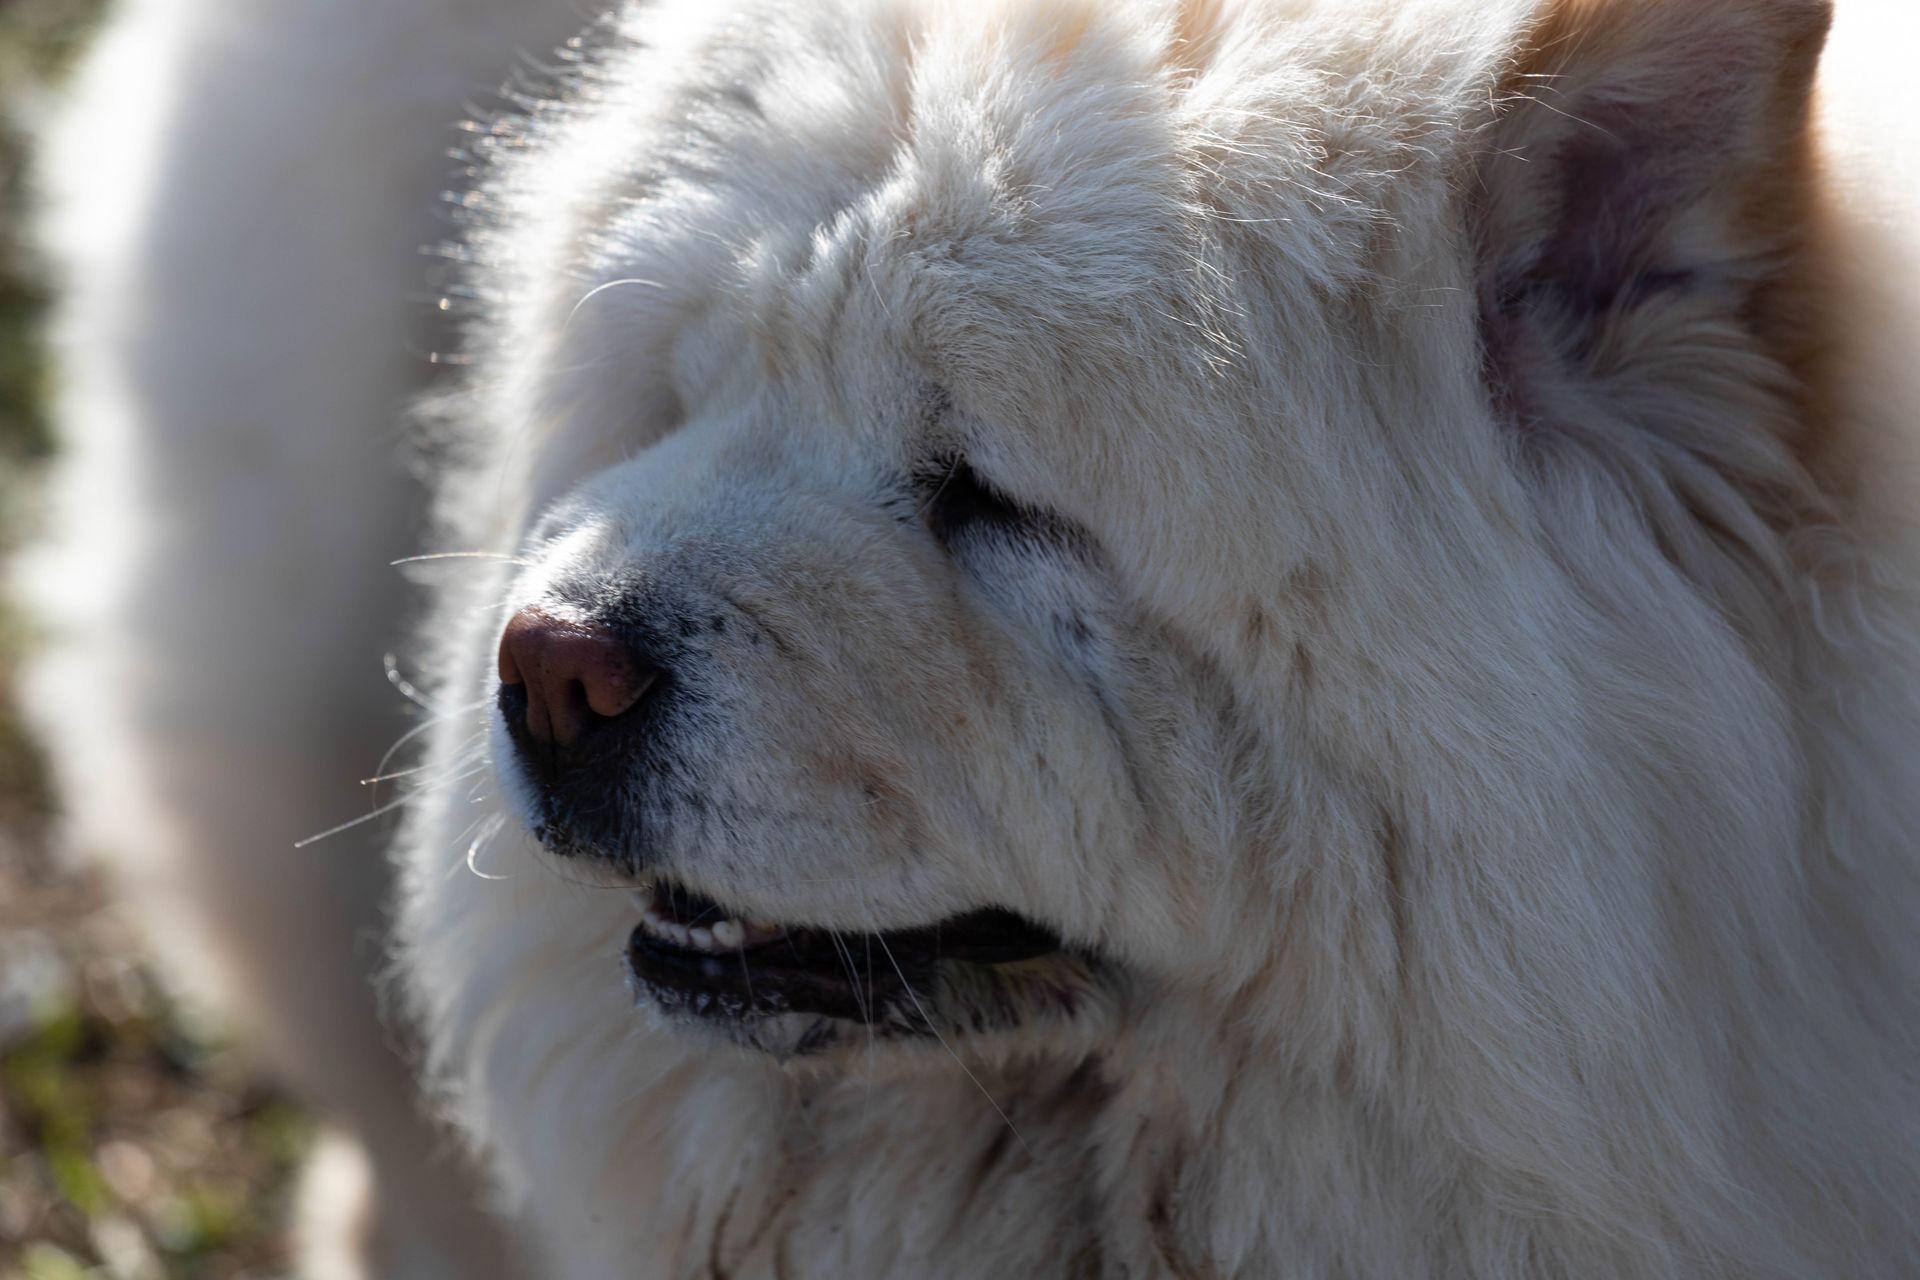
(1636, 131)
(1602, 249)
(1601, 203)
(1644, 307)
(1620, 172)
(1610, 181)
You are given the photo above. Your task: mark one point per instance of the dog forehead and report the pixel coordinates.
(1057, 171)
(1019, 197)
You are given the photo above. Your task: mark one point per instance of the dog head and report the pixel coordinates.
(1033, 514)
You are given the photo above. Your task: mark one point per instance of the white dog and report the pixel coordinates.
(239, 194)
(1215, 639)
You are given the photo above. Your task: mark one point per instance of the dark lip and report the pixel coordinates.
(569, 782)
(867, 978)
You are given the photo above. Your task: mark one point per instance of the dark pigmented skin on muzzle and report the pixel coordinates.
(863, 978)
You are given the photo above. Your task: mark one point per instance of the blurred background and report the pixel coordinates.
(133, 1144)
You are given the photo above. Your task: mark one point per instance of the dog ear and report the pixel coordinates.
(1645, 196)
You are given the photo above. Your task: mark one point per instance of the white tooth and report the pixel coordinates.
(678, 932)
(642, 899)
(703, 939)
(729, 934)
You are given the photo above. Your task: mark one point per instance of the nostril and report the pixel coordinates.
(563, 677)
(515, 707)
(609, 698)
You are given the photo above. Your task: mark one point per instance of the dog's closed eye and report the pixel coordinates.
(961, 508)
(955, 500)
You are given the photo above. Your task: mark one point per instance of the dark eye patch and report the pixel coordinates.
(962, 508)
(955, 500)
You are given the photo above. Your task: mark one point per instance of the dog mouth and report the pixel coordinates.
(694, 957)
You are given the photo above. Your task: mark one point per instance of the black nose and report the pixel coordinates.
(560, 680)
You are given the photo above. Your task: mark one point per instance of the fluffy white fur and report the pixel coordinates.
(1481, 736)
(1473, 721)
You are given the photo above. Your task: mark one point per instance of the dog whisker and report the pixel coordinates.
(491, 828)
(405, 687)
(927, 1018)
(497, 556)
(380, 811)
(396, 775)
(426, 726)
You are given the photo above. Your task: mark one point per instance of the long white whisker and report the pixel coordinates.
(422, 727)
(470, 762)
(405, 686)
(934, 497)
(459, 555)
(597, 290)
(469, 832)
(866, 1098)
(395, 775)
(908, 987)
(382, 810)
(746, 975)
(853, 976)
(485, 836)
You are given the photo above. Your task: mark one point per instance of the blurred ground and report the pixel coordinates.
(132, 1146)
